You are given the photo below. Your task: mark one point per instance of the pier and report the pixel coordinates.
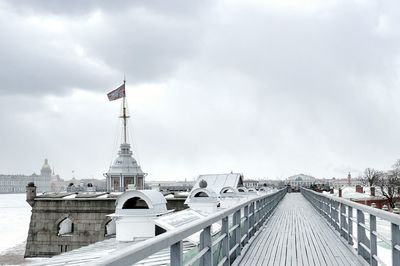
(279, 228)
(297, 235)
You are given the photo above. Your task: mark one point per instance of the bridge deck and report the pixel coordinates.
(297, 235)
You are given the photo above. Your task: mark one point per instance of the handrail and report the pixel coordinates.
(339, 212)
(174, 238)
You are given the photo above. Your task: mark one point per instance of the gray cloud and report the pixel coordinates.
(270, 91)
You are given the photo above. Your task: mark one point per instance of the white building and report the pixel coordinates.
(125, 173)
(300, 180)
(17, 183)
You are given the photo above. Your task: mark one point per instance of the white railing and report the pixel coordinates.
(339, 213)
(233, 236)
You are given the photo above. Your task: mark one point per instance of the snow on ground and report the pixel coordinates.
(15, 215)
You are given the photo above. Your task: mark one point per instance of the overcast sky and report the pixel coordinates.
(266, 88)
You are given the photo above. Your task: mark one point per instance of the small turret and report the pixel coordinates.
(30, 193)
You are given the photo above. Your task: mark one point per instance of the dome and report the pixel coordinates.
(301, 177)
(125, 163)
(46, 169)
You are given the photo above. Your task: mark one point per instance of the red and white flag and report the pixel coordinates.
(117, 93)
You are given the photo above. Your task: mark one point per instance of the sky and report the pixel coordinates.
(265, 88)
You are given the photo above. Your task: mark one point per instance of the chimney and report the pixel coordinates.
(340, 192)
(359, 189)
(372, 191)
(30, 193)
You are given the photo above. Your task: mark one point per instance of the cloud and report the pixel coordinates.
(270, 89)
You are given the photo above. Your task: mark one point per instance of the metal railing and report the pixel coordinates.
(233, 236)
(339, 213)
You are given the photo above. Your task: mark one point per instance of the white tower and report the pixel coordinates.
(125, 172)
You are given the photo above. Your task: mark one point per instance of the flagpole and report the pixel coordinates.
(124, 112)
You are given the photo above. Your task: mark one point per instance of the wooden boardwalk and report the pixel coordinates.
(297, 235)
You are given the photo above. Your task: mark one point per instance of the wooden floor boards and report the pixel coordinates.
(297, 235)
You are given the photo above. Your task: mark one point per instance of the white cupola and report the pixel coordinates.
(230, 197)
(135, 213)
(203, 199)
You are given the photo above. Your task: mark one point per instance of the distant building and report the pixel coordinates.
(170, 186)
(340, 182)
(17, 183)
(250, 183)
(300, 180)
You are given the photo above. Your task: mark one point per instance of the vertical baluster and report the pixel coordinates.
(176, 253)
(350, 225)
(337, 213)
(263, 211)
(330, 211)
(252, 220)
(246, 224)
(225, 241)
(321, 205)
(395, 242)
(206, 242)
(258, 215)
(373, 244)
(236, 218)
(361, 234)
(342, 219)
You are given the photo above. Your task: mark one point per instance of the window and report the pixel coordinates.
(201, 195)
(65, 227)
(135, 203)
(110, 228)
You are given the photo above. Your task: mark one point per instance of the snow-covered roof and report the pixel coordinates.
(155, 201)
(84, 255)
(217, 181)
(349, 192)
(212, 196)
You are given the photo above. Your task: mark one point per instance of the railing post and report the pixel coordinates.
(373, 244)
(225, 241)
(395, 244)
(337, 213)
(350, 225)
(320, 206)
(257, 215)
(342, 219)
(236, 219)
(252, 220)
(206, 242)
(361, 234)
(176, 253)
(330, 211)
(246, 224)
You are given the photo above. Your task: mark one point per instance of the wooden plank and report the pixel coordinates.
(296, 234)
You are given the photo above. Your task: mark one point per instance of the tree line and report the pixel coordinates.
(387, 181)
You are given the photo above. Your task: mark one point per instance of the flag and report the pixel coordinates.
(117, 93)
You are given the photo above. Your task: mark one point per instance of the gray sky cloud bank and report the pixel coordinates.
(269, 89)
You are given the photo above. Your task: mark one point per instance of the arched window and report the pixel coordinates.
(201, 195)
(110, 228)
(135, 203)
(65, 227)
(227, 190)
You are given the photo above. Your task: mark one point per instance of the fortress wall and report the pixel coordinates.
(88, 216)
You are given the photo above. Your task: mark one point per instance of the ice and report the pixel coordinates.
(15, 215)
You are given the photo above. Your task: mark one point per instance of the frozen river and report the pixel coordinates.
(15, 215)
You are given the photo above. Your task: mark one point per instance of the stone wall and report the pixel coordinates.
(88, 216)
